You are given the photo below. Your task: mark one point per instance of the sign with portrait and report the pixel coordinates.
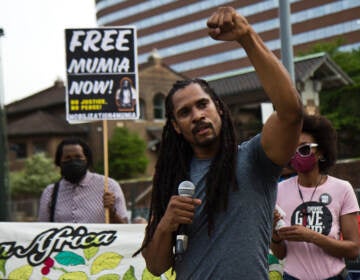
(101, 69)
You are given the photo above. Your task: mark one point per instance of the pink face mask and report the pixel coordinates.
(303, 164)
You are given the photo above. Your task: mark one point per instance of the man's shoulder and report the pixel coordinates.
(251, 142)
(250, 146)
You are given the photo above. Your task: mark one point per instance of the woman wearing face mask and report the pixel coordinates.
(79, 196)
(320, 210)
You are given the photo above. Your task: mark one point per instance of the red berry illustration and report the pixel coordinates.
(49, 262)
(45, 270)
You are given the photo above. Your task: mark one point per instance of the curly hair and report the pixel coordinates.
(173, 164)
(73, 141)
(324, 134)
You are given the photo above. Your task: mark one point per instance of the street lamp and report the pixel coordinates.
(4, 175)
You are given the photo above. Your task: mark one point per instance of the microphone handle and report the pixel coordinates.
(181, 240)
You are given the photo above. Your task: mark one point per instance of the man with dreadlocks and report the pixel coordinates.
(229, 220)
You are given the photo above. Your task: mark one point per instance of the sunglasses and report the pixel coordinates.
(304, 150)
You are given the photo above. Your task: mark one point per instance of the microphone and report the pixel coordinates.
(187, 189)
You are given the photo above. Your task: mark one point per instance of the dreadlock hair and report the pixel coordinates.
(174, 159)
(325, 136)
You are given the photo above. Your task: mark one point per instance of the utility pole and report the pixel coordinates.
(4, 175)
(287, 56)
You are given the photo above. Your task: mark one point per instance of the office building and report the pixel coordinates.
(177, 29)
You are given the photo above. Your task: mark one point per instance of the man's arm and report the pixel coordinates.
(282, 129)
(158, 254)
(113, 204)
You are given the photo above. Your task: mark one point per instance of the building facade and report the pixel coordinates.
(177, 29)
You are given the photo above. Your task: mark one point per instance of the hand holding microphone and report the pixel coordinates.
(185, 189)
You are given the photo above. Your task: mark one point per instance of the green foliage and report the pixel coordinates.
(348, 61)
(342, 107)
(330, 48)
(127, 156)
(39, 172)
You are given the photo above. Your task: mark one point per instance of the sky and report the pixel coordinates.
(32, 50)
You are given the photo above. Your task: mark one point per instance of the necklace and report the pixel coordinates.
(304, 210)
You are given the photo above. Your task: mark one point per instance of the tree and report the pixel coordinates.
(348, 61)
(127, 157)
(341, 106)
(39, 172)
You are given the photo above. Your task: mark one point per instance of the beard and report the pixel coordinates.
(206, 141)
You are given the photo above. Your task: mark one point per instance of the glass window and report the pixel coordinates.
(39, 147)
(159, 106)
(142, 109)
(19, 149)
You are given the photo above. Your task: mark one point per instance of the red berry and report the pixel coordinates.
(49, 262)
(45, 270)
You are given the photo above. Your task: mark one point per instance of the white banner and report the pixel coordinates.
(61, 251)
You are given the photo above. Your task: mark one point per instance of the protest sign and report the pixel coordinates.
(101, 68)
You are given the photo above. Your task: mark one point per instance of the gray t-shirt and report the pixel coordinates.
(239, 245)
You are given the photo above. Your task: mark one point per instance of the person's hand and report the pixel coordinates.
(296, 233)
(180, 210)
(109, 200)
(227, 25)
(276, 218)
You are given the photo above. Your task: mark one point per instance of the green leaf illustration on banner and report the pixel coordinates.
(146, 275)
(21, 273)
(129, 274)
(111, 276)
(2, 266)
(170, 275)
(3, 262)
(90, 252)
(69, 258)
(105, 261)
(77, 275)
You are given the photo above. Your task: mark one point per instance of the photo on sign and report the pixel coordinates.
(125, 96)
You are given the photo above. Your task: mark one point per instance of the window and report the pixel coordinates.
(159, 106)
(19, 149)
(142, 109)
(39, 147)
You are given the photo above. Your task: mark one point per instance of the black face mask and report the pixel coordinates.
(73, 170)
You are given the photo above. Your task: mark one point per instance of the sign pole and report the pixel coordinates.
(106, 166)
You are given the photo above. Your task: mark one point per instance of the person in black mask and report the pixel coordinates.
(79, 196)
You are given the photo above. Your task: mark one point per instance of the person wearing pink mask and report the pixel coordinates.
(319, 209)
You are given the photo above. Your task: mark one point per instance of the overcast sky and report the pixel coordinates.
(32, 50)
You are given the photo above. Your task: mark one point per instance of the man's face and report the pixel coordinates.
(71, 152)
(197, 119)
